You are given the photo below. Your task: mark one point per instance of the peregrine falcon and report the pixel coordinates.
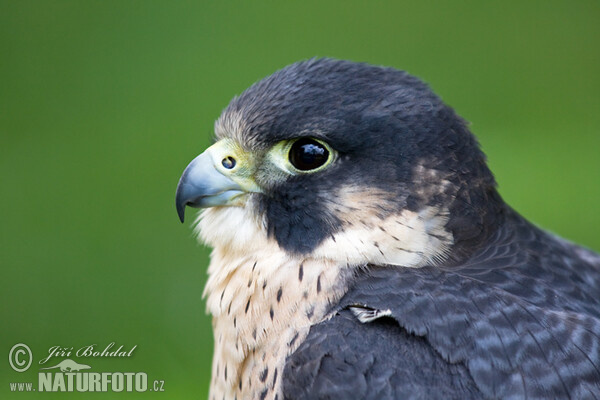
(361, 251)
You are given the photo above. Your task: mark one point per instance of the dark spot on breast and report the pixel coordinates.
(301, 272)
(254, 334)
(264, 394)
(408, 226)
(441, 238)
(264, 285)
(305, 295)
(225, 371)
(229, 309)
(383, 230)
(271, 313)
(263, 374)
(310, 312)
(240, 384)
(408, 251)
(254, 266)
(291, 343)
(274, 377)
(235, 322)
(276, 397)
(222, 294)
(319, 284)
(279, 293)
(247, 306)
(250, 282)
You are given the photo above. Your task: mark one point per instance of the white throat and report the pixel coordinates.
(264, 300)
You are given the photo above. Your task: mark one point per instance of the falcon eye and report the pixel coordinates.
(304, 155)
(307, 154)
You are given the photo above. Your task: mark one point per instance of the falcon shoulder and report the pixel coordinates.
(345, 359)
(519, 319)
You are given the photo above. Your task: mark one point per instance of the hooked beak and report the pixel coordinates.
(217, 177)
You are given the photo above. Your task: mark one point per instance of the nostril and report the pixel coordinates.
(228, 162)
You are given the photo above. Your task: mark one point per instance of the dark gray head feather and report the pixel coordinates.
(384, 123)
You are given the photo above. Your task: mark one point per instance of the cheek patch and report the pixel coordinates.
(374, 233)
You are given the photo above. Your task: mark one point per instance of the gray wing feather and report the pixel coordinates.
(521, 316)
(345, 359)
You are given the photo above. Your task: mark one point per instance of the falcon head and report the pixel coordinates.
(343, 161)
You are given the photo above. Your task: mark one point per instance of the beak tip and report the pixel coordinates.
(180, 206)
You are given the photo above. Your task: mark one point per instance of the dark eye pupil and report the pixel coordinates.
(307, 154)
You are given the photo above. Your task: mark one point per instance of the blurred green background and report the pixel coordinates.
(103, 104)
